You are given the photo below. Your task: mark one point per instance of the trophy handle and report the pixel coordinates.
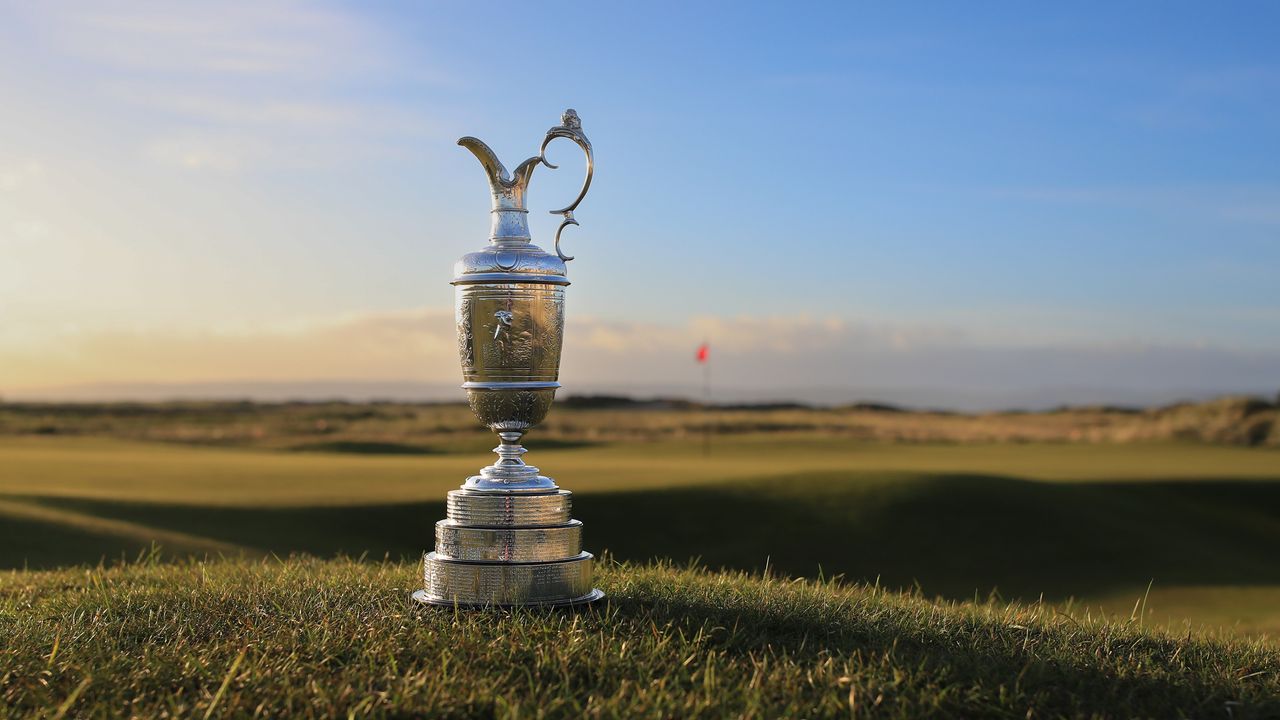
(570, 128)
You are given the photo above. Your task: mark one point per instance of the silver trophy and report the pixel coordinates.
(508, 539)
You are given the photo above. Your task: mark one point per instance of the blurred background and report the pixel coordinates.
(989, 293)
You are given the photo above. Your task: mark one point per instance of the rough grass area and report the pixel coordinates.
(408, 428)
(338, 638)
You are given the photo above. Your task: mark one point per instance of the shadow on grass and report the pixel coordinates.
(954, 535)
(960, 535)
(986, 654)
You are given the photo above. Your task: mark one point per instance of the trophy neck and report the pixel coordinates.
(510, 226)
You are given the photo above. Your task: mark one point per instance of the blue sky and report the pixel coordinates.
(929, 179)
(923, 163)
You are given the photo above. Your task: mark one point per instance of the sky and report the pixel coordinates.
(936, 204)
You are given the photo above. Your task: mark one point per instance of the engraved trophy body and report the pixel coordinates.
(508, 538)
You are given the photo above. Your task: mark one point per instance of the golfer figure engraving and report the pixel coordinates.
(508, 538)
(504, 322)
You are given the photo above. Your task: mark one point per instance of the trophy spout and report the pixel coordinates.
(509, 193)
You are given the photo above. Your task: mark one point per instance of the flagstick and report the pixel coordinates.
(706, 406)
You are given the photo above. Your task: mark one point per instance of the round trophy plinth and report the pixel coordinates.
(563, 582)
(488, 482)
(508, 549)
(509, 510)
(539, 544)
(422, 597)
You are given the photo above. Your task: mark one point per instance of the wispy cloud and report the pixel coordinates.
(231, 133)
(1210, 98)
(237, 86)
(18, 174)
(273, 37)
(756, 356)
(1246, 204)
(207, 151)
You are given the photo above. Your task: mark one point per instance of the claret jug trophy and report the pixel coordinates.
(508, 539)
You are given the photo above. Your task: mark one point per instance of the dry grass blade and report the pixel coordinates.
(231, 673)
(61, 712)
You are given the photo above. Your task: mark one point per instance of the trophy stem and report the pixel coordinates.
(510, 473)
(510, 451)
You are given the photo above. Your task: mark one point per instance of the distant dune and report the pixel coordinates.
(436, 427)
(976, 399)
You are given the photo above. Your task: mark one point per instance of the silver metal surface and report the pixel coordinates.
(538, 544)
(509, 539)
(466, 507)
(509, 308)
(570, 127)
(465, 583)
(421, 596)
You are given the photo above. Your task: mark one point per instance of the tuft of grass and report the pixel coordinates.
(339, 638)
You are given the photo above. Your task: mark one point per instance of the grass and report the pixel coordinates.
(1093, 524)
(106, 468)
(310, 638)
(1142, 573)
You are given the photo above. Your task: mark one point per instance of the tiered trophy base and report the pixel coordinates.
(506, 549)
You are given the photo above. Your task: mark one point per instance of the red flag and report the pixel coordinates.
(703, 349)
